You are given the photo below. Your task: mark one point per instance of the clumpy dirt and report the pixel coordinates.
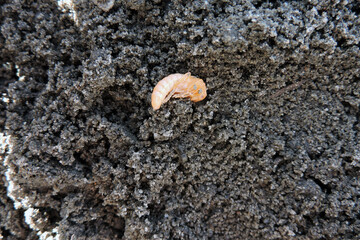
(273, 152)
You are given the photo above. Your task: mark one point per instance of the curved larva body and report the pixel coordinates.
(162, 89)
(179, 86)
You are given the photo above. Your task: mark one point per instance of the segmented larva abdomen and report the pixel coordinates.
(162, 89)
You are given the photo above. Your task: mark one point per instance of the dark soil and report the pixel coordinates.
(273, 152)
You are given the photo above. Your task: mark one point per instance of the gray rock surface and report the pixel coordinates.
(273, 152)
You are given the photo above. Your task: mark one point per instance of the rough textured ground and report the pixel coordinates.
(272, 153)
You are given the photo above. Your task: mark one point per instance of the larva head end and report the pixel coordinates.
(198, 91)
